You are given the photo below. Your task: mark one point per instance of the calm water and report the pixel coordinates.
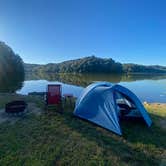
(148, 88)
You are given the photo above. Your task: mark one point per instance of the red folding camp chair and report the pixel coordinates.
(54, 96)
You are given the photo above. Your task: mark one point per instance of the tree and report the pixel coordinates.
(11, 69)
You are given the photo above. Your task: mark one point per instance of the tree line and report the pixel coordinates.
(11, 69)
(93, 64)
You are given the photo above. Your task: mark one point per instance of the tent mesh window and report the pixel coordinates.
(125, 105)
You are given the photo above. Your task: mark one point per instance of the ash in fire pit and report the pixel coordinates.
(15, 106)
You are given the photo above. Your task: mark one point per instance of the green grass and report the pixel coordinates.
(62, 139)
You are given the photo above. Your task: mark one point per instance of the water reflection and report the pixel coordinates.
(40, 86)
(11, 83)
(86, 79)
(150, 88)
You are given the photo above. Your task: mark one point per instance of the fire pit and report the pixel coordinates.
(15, 106)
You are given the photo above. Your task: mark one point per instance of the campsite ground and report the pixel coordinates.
(62, 139)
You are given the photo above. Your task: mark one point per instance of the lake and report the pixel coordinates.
(150, 88)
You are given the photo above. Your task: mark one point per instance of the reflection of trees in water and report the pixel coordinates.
(85, 79)
(11, 83)
(76, 79)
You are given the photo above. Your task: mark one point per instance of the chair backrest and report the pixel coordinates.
(54, 94)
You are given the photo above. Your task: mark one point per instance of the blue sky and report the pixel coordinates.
(43, 31)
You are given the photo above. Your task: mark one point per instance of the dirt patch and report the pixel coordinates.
(12, 118)
(32, 108)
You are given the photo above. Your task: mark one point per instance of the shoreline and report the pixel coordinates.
(40, 94)
(8, 97)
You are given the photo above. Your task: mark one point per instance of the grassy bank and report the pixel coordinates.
(52, 138)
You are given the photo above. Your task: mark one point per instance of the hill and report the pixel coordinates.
(135, 68)
(93, 64)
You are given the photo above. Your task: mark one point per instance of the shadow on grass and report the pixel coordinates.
(140, 133)
(54, 138)
(138, 145)
(124, 147)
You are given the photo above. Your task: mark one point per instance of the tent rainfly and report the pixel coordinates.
(104, 104)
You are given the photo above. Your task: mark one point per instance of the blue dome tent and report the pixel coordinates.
(104, 104)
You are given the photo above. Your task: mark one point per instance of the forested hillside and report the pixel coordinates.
(85, 65)
(93, 64)
(135, 68)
